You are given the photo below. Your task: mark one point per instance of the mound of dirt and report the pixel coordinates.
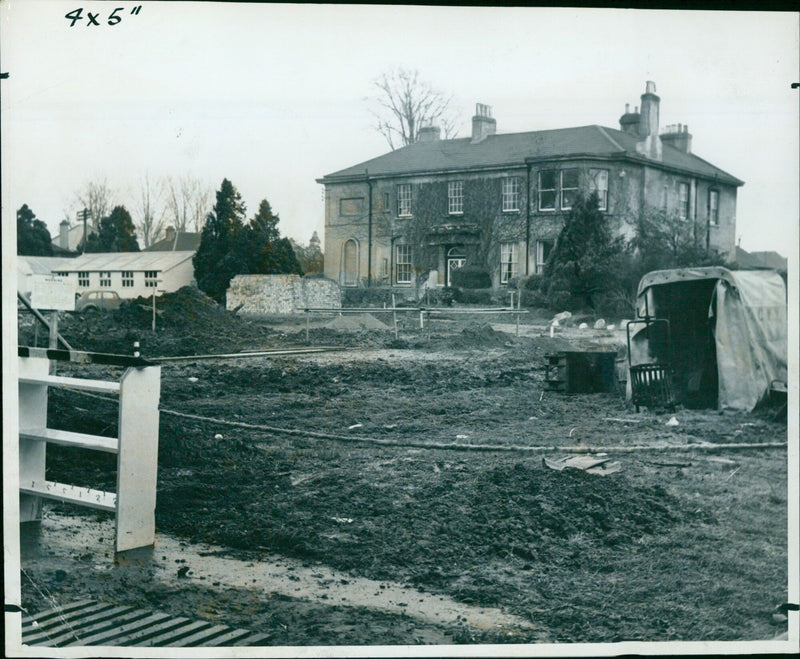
(358, 322)
(479, 336)
(187, 322)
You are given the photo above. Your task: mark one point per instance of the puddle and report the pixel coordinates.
(76, 543)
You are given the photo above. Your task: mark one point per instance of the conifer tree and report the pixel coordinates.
(33, 237)
(219, 257)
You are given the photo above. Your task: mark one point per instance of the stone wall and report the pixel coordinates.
(281, 294)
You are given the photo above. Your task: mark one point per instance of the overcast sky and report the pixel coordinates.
(274, 96)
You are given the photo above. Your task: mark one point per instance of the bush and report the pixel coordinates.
(440, 297)
(471, 277)
(535, 283)
(533, 298)
(483, 296)
(365, 297)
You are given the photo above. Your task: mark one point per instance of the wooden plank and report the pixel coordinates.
(253, 640)
(84, 628)
(100, 386)
(144, 637)
(82, 496)
(70, 622)
(32, 413)
(173, 637)
(200, 638)
(117, 633)
(137, 459)
(227, 639)
(61, 611)
(76, 439)
(89, 623)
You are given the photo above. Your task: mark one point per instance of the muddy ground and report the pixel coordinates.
(407, 474)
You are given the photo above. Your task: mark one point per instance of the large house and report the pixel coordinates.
(499, 200)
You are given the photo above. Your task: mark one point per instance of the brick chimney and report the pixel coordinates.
(429, 134)
(169, 234)
(629, 122)
(679, 137)
(649, 144)
(63, 234)
(483, 124)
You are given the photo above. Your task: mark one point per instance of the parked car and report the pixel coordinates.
(97, 300)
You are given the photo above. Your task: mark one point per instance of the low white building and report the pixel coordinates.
(130, 274)
(29, 266)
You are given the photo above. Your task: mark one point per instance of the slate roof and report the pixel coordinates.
(760, 260)
(134, 261)
(512, 149)
(182, 241)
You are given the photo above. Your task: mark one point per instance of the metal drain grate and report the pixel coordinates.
(94, 623)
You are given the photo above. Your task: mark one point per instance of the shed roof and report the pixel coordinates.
(135, 261)
(513, 149)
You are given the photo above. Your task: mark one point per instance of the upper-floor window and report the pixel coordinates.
(150, 278)
(713, 206)
(402, 261)
(510, 193)
(386, 201)
(105, 279)
(569, 188)
(404, 200)
(455, 197)
(127, 278)
(61, 274)
(547, 190)
(83, 279)
(509, 264)
(598, 183)
(351, 206)
(683, 207)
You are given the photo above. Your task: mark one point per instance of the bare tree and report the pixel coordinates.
(405, 104)
(188, 202)
(96, 198)
(149, 210)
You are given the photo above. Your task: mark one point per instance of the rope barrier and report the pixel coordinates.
(455, 446)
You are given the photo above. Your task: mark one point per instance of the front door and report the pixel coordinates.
(456, 258)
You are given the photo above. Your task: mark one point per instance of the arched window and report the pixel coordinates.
(350, 263)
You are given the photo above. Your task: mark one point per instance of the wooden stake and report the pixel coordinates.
(394, 316)
(53, 342)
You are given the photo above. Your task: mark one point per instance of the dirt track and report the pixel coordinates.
(676, 546)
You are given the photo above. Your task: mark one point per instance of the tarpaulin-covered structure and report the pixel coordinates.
(728, 334)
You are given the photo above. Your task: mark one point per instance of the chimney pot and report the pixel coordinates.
(483, 125)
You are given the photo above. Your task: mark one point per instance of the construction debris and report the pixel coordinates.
(589, 464)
